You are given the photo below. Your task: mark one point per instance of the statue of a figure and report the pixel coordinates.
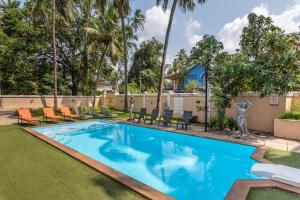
(242, 108)
(131, 106)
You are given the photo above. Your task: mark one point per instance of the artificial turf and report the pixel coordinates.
(279, 157)
(32, 170)
(271, 194)
(283, 157)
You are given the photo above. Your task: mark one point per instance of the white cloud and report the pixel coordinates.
(191, 26)
(287, 20)
(156, 22)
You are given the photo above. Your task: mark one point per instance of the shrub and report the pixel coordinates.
(296, 107)
(191, 86)
(290, 115)
(229, 123)
(36, 112)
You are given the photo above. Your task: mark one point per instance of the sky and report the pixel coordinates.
(223, 18)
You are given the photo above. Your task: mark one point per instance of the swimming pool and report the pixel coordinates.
(184, 167)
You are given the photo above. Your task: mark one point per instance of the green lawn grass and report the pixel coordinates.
(283, 157)
(32, 170)
(271, 194)
(279, 157)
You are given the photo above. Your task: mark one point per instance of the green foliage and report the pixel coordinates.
(26, 54)
(133, 88)
(296, 107)
(145, 65)
(290, 115)
(205, 51)
(37, 112)
(179, 68)
(272, 57)
(22, 68)
(229, 123)
(191, 86)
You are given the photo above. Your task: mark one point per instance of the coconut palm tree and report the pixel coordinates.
(4, 5)
(65, 9)
(184, 5)
(123, 7)
(106, 35)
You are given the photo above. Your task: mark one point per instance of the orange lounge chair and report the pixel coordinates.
(65, 111)
(49, 114)
(25, 115)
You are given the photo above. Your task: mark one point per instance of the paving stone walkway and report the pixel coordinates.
(256, 139)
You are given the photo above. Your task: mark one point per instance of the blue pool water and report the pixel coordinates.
(184, 167)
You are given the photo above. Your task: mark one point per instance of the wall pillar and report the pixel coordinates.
(144, 99)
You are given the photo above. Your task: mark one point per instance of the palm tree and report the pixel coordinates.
(64, 8)
(123, 7)
(184, 5)
(87, 8)
(105, 35)
(179, 67)
(9, 4)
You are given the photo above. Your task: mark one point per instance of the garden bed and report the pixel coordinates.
(287, 128)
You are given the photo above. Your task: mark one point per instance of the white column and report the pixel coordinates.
(104, 97)
(169, 99)
(144, 100)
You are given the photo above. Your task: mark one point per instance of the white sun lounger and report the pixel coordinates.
(280, 173)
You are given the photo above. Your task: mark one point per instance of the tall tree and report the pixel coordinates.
(87, 6)
(4, 5)
(184, 5)
(228, 78)
(123, 7)
(64, 8)
(272, 56)
(145, 65)
(105, 33)
(179, 67)
(204, 53)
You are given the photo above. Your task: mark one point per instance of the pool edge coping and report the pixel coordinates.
(133, 184)
(241, 188)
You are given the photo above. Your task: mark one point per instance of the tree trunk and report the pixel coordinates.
(85, 69)
(98, 75)
(221, 117)
(54, 53)
(206, 99)
(162, 67)
(85, 66)
(125, 61)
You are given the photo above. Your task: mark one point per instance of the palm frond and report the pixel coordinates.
(164, 4)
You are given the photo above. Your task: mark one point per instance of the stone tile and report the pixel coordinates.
(278, 146)
(279, 140)
(294, 148)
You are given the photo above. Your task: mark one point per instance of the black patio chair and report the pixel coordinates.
(153, 116)
(167, 117)
(140, 116)
(186, 120)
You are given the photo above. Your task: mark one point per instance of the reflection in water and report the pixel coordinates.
(184, 167)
